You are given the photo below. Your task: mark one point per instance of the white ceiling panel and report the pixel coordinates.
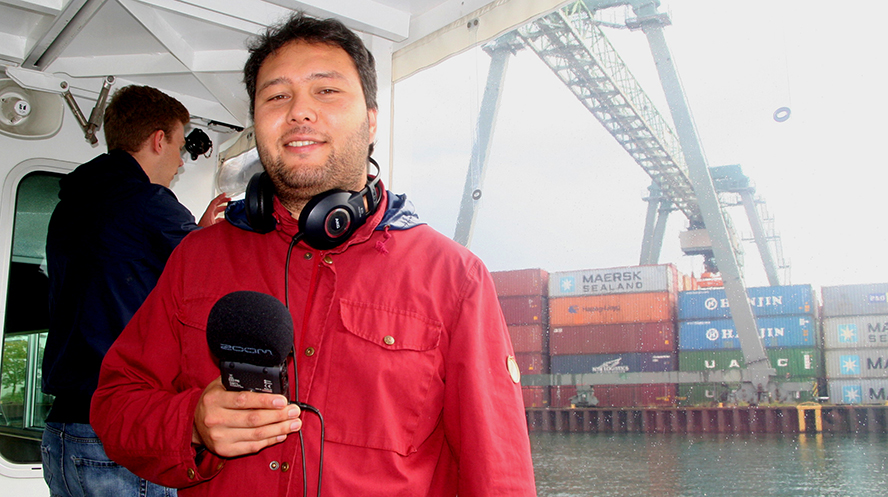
(193, 49)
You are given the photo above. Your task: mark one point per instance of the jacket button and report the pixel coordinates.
(328, 259)
(389, 340)
(309, 352)
(285, 466)
(190, 473)
(307, 256)
(273, 465)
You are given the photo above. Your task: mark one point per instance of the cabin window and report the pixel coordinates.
(23, 406)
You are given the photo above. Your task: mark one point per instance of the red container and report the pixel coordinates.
(535, 396)
(559, 396)
(662, 394)
(612, 309)
(659, 394)
(521, 282)
(651, 395)
(532, 363)
(528, 338)
(529, 309)
(612, 338)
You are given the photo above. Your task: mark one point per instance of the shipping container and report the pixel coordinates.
(765, 301)
(560, 395)
(528, 338)
(855, 300)
(629, 279)
(611, 309)
(532, 362)
(775, 331)
(712, 394)
(529, 309)
(856, 363)
(705, 394)
(788, 362)
(535, 396)
(629, 362)
(612, 338)
(649, 395)
(855, 332)
(521, 282)
(858, 391)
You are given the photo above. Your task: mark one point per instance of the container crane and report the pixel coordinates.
(571, 44)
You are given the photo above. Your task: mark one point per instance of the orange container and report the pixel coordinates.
(612, 309)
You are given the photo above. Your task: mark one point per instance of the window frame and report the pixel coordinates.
(8, 198)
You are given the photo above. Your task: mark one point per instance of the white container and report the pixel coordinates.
(855, 300)
(855, 332)
(628, 279)
(856, 363)
(873, 392)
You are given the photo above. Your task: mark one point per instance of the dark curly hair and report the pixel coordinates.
(137, 111)
(300, 27)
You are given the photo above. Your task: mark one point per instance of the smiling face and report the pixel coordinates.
(313, 127)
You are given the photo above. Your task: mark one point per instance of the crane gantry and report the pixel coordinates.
(571, 44)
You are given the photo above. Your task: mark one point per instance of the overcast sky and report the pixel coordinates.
(561, 194)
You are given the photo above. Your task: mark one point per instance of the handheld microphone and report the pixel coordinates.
(251, 334)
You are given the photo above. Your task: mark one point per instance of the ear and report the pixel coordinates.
(157, 141)
(371, 118)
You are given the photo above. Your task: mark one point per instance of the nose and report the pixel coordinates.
(302, 110)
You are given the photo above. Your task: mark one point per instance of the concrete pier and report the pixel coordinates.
(746, 419)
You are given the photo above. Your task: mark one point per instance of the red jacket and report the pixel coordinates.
(435, 413)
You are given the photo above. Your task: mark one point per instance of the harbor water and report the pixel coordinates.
(637, 464)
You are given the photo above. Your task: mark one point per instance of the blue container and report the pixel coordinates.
(765, 301)
(776, 331)
(630, 362)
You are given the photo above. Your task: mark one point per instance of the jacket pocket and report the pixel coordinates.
(199, 366)
(386, 388)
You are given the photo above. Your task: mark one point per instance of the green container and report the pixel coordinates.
(711, 394)
(704, 394)
(789, 362)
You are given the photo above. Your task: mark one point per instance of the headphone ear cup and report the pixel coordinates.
(329, 219)
(259, 203)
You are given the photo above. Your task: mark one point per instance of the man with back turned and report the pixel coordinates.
(109, 237)
(399, 339)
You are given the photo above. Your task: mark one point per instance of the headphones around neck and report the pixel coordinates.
(326, 221)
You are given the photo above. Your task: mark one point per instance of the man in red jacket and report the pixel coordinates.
(399, 339)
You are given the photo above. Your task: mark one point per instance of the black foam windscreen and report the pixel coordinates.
(250, 327)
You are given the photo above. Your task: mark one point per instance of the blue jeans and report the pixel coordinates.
(75, 465)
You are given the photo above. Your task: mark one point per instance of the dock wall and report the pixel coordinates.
(751, 419)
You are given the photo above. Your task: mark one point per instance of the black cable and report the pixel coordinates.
(320, 455)
(293, 242)
(305, 407)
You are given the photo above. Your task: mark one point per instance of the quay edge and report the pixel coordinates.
(802, 418)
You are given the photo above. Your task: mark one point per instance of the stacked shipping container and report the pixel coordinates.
(615, 320)
(707, 339)
(855, 334)
(523, 298)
